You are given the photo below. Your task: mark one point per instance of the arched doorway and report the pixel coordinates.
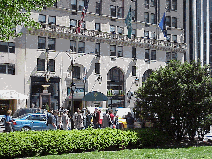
(146, 74)
(115, 88)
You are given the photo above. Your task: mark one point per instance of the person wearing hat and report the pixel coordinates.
(8, 121)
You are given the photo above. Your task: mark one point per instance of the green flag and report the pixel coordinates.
(128, 22)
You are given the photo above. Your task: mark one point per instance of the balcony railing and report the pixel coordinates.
(55, 31)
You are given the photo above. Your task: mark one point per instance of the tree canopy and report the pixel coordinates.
(17, 12)
(176, 98)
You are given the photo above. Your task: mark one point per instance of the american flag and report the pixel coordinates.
(82, 16)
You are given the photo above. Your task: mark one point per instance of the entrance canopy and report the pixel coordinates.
(11, 94)
(95, 96)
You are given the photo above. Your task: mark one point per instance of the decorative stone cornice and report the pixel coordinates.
(55, 31)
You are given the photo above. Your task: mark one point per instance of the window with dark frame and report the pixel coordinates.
(112, 28)
(76, 72)
(74, 4)
(98, 7)
(7, 47)
(7, 69)
(146, 54)
(174, 5)
(153, 54)
(168, 37)
(112, 50)
(168, 56)
(40, 64)
(146, 17)
(168, 5)
(52, 20)
(113, 11)
(174, 22)
(146, 34)
(80, 4)
(42, 18)
(41, 42)
(174, 56)
(51, 43)
(51, 65)
(133, 70)
(73, 46)
(120, 30)
(120, 12)
(134, 52)
(81, 47)
(146, 4)
(73, 23)
(97, 68)
(97, 26)
(152, 18)
(120, 51)
(174, 38)
(168, 21)
(97, 49)
(152, 3)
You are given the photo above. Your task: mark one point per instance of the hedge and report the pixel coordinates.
(39, 143)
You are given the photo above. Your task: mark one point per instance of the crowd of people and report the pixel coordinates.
(81, 120)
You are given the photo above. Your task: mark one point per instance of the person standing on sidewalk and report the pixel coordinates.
(8, 121)
(65, 120)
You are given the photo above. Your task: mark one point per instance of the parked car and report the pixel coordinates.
(23, 111)
(31, 121)
(2, 119)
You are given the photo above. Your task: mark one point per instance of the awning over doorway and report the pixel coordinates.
(95, 96)
(11, 94)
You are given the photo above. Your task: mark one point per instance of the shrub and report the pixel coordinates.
(38, 143)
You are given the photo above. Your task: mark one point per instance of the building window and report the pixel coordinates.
(52, 20)
(134, 32)
(41, 42)
(81, 47)
(98, 7)
(171, 56)
(97, 68)
(133, 70)
(73, 23)
(112, 29)
(152, 18)
(76, 72)
(168, 21)
(97, 26)
(174, 56)
(42, 18)
(174, 38)
(120, 12)
(146, 34)
(7, 69)
(146, 17)
(146, 4)
(168, 5)
(7, 47)
(146, 54)
(174, 22)
(153, 36)
(40, 64)
(74, 4)
(134, 52)
(73, 46)
(120, 29)
(80, 5)
(97, 49)
(51, 43)
(153, 54)
(174, 5)
(113, 11)
(120, 51)
(51, 65)
(152, 3)
(168, 37)
(112, 50)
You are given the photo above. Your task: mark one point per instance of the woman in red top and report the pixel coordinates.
(112, 118)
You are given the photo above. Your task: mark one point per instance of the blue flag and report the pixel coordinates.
(162, 25)
(128, 22)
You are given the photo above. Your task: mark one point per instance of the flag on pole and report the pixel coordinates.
(162, 25)
(82, 16)
(128, 22)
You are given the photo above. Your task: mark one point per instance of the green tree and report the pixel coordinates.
(176, 98)
(17, 12)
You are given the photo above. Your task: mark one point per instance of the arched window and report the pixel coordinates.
(147, 73)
